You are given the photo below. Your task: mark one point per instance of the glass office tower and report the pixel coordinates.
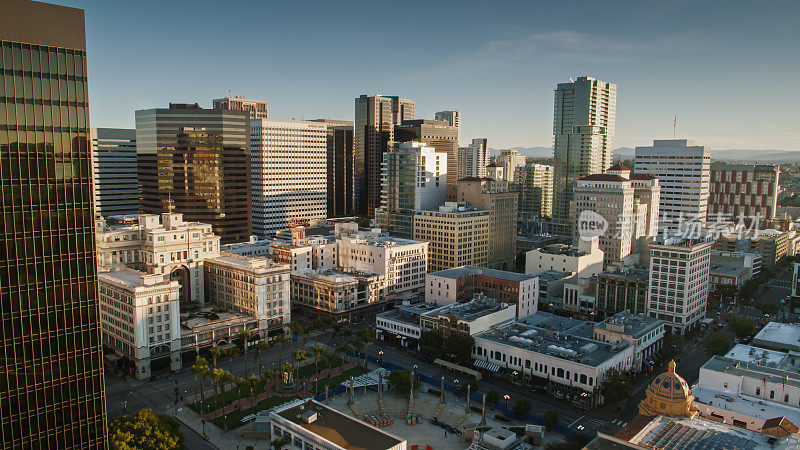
(51, 371)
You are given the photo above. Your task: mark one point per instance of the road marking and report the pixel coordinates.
(570, 425)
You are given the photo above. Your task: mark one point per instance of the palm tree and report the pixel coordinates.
(318, 349)
(330, 358)
(299, 356)
(281, 339)
(306, 331)
(357, 344)
(231, 352)
(342, 347)
(268, 376)
(245, 335)
(215, 353)
(242, 383)
(199, 368)
(217, 376)
(228, 377)
(286, 368)
(260, 347)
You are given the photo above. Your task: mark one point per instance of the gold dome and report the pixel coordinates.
(668, 395)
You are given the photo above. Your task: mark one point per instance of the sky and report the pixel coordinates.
(723, 67)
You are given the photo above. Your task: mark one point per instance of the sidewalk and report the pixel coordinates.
(217, 437)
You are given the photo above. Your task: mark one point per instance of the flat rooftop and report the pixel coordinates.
(760, 409)
(333, 275)
(465, 271)
(552, 275)
(469, 311)
(561, 249)
(728, 270)
(553, 322)
(634, 273)
(783, 336)
(248, 262)
(762, 373)
(633, 324)
(409, 313)
(756, 355)
(698, 434)
(339, 428)
(200, 324)
(133, 278)
(548, 342)
(382, 240)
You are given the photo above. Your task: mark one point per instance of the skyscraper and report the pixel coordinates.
(414, 178)
(583, 126)
(256, 108)
(52, 389)
(510, 159)
(451, 117)
(439, 135)
(494, 196)
(116, 181)
(289, 173)
(196, 161)
(535, 185)
(341, 197)
(683, 171)
(472, 159)
(746, 190)
(375, 118)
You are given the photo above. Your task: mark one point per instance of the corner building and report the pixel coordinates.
(51, 370)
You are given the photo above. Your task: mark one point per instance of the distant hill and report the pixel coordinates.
(765, 156)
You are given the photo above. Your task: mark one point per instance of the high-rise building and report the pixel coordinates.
(116, 181)
(52, 393)
(375, 118)
(439, 135)
(196, 161)
(535, 185)
(683, 171)
(341, 168)
(583, 125)
(678, 290)
(746, 190)
(629, 207)
(495, 171)
(489, 195)
(414, 178)
(257, 109)
(458, 236)
(451, 117)
(289, 174)
(510, 159)
(472, 159)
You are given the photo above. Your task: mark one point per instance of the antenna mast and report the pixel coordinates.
(674, 126)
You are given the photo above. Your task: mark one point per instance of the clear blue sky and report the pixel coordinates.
(725, 67)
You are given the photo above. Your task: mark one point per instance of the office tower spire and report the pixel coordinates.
(51, 393)
(583, 126)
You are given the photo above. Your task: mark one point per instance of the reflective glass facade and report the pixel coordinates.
(51, 373)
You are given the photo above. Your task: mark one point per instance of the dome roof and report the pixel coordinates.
(669, 385)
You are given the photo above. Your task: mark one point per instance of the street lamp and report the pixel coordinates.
(507, 398)
(380, 356)
(204, 428)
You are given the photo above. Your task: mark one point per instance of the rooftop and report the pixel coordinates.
(552, 275)
(729, 271)
(466, 271)
(561, 345)
(381, 240)
(633, 324)
(665, 433)
(561, 249)
(245, 262)
(747, 370)
(409, 313)
(200, 324)
(782, 336)
(471, 310)
(749, 406)
(337, 275)
(341, 429)
(756, 355)
(134, 279)
(602, 177)
(636, 273)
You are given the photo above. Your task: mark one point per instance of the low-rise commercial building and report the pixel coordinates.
(462, 283)
(779, 336)
(401, 325)
(139, 315)
(346, 295)
(470, 318)
(773, 245)
(401, 262)
(584, 260)
(254, 286)
(644, 333)
(622, 288)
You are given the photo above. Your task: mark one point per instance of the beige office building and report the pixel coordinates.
(535, 185)
(489, 195)
(439, 135)
(256, 108)
(472, 159)
(510, 160)
(458, 235)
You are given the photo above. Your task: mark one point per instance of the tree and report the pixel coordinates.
(215, 353)
(717, 343)
(672, 347)
(742, 326)
(267, 377)
(521, 407)
(767, 308)
(286, 369)
(279, 443)
(260, 347)
(145, 431)
(550, 418)
(231, 352)
(245, 335)
(329, 358)
(492, 397)
(399, 380)
(299, 357)
(574, 442)
(199, 369)
(318, 350)
(459, 347)
(281, 339)
(616, 385)
(342, 347)
(432, 340)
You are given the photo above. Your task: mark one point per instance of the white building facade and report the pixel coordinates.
(472, 159)
(289, 178)
(402, 262)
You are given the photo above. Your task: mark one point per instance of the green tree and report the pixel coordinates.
(199, 369)
(400, 381)
(550, 418)
(215, 354)
(742, 326)
(767, 308)
(459, 348)
(717, 343)
(280, 339)
(267, 377)
(144, 431)
(616, 385)
(299, 357)
(246, 336)
(231, 352)
(492, 397)
(432, 340)
(260, 347)
(279, 443)
(672, 347)
(521, 407)
(318, 350)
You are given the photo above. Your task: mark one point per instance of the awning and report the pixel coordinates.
(487, 366)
